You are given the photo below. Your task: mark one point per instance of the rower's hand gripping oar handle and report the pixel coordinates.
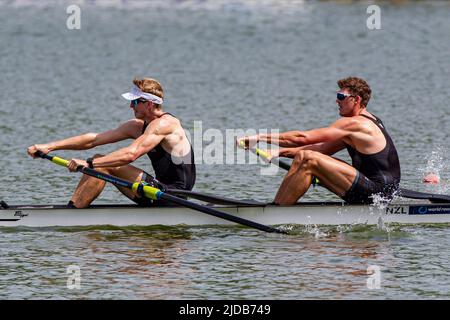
(57, 160)
(42, 155)
(276, 161)
(265, 156)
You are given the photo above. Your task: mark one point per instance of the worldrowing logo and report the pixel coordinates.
(422, 210)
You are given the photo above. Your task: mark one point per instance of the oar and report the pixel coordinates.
(411, 194)
(276, 161)
(157, 194)
(405, 193)
(265, 156)
(213, 199)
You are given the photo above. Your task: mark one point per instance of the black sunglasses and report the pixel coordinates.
(137, 101)
(341, 96)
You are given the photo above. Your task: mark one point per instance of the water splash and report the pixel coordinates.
(343, 228)
(438, 165)
(380, 201)
(379, 205)
(435, 163)
(314, 230)
(287, 227)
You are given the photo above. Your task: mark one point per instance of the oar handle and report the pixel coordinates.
(57, 160)
(265, 156)
(42, 155)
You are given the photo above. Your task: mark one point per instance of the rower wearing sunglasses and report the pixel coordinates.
(155, 132)
(375, 168)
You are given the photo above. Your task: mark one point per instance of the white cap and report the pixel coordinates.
(136, 93)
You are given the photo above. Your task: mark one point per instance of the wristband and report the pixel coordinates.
(90, 162)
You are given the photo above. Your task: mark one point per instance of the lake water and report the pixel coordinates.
(231, 65)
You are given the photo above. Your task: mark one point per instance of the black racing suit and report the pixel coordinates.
(378, 173)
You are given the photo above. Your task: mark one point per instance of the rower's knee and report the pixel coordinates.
(107, 170)
(306, 159)
(298, 159)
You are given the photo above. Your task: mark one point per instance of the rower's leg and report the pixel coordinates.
(336, 175)
(89, 188)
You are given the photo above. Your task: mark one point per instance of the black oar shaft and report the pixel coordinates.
(219, 214)
(213, 199)
(422, 195)
(103, 176)
(281, 163)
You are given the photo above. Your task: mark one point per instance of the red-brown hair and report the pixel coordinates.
(151, 86)
(357, 87)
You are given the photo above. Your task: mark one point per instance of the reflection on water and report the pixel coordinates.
(231, 263)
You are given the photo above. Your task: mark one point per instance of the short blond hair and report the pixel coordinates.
(150, 85)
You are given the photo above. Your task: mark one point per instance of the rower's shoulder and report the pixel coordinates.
(130, 124)
(169, 117)
(163, 125)
(349, 123)
(169, 121)
(356, 124)
(133, 124)
(132, 128)
(136, 122)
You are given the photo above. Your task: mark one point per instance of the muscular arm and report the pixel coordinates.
(339, 130)
(328, 148)
(91, 140)
(153, 135)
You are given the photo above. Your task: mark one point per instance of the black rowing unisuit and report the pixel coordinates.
(377, 173)
(172, 171)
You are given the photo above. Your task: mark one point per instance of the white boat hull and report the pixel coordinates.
(301, 214)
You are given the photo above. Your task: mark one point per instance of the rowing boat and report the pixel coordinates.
(305, 213)
(220, 211)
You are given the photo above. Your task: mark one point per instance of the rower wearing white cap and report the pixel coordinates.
(155, 132)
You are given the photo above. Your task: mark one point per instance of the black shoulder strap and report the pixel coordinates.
(144, 127)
